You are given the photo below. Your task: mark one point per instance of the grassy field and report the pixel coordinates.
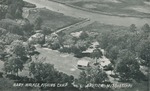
(99, 28)
(51, 19)
(136, 8)
(66, 63)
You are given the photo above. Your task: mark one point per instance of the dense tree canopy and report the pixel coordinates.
(13, 65)
(44, 72)
(3, 10)
(18, 48)
(14, 8)
(96, 54)
(128, 66)
(91, 75)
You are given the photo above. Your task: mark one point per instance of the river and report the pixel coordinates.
(106, 19)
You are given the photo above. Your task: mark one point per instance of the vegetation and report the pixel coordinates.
(92, 75)
(51, 75)
(96, 54)
(51, 19)
(128, 48)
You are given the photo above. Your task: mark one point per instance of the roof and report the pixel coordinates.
(89, 50)
(105, 61)
(83, 62)
(76, 34)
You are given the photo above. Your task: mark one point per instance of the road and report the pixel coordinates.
(106, 19)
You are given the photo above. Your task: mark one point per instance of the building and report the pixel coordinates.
(83, 64)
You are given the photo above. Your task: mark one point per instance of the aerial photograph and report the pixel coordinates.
(74, 45)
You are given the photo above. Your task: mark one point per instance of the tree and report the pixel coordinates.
(96, 54)
(127, 66)
(83, 35)
(9, 38)
(26, 26)
(68, 40)
(37, 23)
(55, 45)
(15, 30)
(18, 48)
(3, 11)
(97, 75)
(14, 9)
(44, 72)
(133, 28)
(53, 41)
(91, 75)
(46, 31)
(146, 28)
(82, 45)
(113, 52)
(144, 51)
(82, 80)
(2, 31)
(104, 39)
(30, 50)
(13, 65)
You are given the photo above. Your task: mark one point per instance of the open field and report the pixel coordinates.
(66, 63)
(51, 19)
(99, 28)
(137, 8)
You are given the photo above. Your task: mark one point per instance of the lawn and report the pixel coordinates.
(51, 19)
(137, 8)
(66, 63)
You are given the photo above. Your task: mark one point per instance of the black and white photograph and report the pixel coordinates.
(74, 45)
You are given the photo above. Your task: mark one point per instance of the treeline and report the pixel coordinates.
(127, 50)
(13, 8)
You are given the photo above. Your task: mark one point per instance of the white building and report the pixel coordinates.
(83, 64)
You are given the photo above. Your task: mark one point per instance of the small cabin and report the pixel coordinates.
(83, 64)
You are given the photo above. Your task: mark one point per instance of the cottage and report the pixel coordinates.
(83, 64)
